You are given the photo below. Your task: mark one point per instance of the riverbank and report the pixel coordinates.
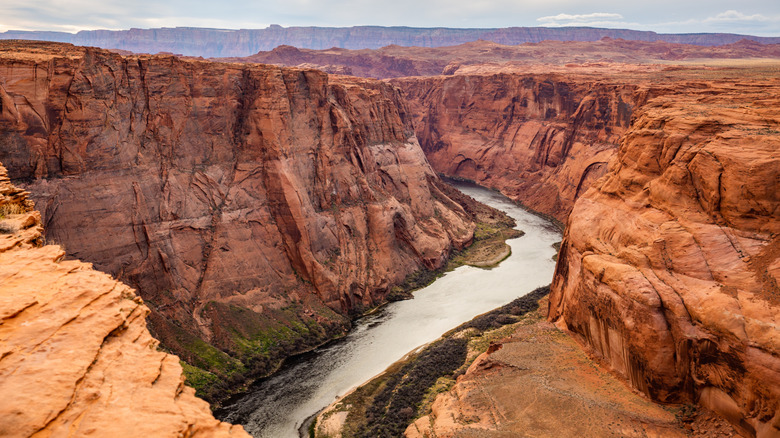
(521, 376)
(388, 403)
(279, 405)
(288, 338)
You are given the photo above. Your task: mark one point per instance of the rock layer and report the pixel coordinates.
(539, 139)
(244, 42)
(547, 56)
(253, 207)
(670, 265)
(75, 355)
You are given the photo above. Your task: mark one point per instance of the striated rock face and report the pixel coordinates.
(244, 42)
(539, 139)
(670, 265)
(252, 206)
(75, 355)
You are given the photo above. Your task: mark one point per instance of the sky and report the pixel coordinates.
(754, 17)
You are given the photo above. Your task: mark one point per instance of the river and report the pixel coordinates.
(278, 406)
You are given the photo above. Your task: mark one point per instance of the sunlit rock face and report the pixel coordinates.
(670, 265)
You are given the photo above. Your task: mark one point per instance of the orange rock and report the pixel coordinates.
(668, 269)
(75, 355)
(225, 193)
(542, 384)
(539, 139)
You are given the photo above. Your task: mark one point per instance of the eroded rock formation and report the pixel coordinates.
(75, 355)
(253, 207)
(539, 139)
(670, 265)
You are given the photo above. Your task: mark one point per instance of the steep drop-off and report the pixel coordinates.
(539, 139)
(253, 207)
(76, 358)
(670, 265)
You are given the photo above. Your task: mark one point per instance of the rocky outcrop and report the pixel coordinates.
(244, 42)
(75, 355)
(539, 139)
(539, 382)
(670, 265)
(253, 207)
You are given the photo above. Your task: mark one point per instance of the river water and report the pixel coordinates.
(278, 406)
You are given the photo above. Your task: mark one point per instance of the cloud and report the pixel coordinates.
(731, 21)
(600, 16)
(733, 16)
(595, 19)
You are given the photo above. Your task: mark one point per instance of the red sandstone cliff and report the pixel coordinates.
(539, 139)
(670, 265)
(253, 207)
(75, 355)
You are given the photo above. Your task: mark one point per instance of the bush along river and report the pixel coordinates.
(280, 406)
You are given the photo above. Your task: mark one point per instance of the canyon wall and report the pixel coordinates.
(540, 139)
(253, 207)
(244, 42)
(670, 265)
(75, 355)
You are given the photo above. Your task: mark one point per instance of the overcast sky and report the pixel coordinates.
(755, 17)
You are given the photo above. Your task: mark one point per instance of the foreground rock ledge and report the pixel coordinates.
(76, 358)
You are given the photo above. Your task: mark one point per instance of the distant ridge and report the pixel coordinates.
(230, 43)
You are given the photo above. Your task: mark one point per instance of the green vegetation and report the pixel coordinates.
(557, 246)
(247, 345)
(198, 378)
(489, 247)
(395, 406)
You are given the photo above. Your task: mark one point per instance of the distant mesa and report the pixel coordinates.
(211, 43)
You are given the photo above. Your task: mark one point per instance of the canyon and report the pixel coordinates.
(539, 122)
(191, 41)
(668, 274)
(667, 277)
(254, 208)
(258, 208)
(75, 355)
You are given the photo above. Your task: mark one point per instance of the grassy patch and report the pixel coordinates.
(198, 378)
(557, 246)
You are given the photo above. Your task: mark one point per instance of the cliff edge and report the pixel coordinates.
(75, 355)
(255, 208)
(670, 265)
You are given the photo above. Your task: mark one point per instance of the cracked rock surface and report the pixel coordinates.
(76, 358)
